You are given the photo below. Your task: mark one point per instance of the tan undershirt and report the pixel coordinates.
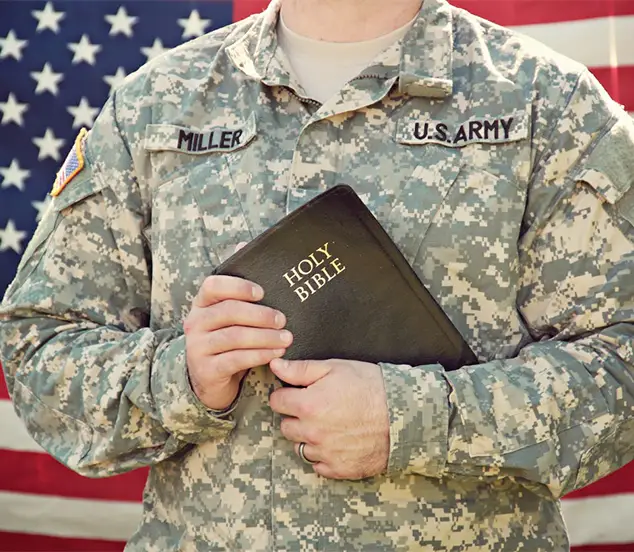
(322, 68)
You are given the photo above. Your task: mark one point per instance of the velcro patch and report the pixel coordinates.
(73, 165)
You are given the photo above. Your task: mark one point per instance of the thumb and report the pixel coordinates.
(301, 373)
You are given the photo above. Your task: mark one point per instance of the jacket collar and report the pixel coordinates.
(422, 61)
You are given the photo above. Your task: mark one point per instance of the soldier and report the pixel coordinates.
(504, 173)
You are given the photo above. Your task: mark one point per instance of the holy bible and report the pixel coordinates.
(346, 289)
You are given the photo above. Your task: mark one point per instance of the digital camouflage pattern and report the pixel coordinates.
(504, 173)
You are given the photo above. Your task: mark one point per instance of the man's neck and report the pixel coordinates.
(347, 20)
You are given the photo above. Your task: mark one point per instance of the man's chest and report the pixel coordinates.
(449, 188)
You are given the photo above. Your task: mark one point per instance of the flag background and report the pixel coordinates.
(58, 62)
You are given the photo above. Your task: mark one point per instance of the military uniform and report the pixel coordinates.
(505, 175)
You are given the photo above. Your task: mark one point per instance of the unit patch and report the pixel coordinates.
(73, 165)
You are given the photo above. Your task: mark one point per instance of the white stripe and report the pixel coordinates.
(602, 42)
(68, 517)
(601, 519)
(14, 435)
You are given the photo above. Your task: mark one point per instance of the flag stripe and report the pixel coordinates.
(4, 393)
(597, 520)
(620, 482)
(610, 42)
(38, 473)
(530, 12)
(14, 435)
(68, 517)
(507, 12)
(626, 547)
(11, 542)
(619, 83)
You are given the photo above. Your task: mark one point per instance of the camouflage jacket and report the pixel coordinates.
(504, 173)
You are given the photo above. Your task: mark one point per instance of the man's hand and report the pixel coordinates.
(226, 334)
(341, 414)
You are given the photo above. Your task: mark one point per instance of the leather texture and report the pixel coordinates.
(370, 306)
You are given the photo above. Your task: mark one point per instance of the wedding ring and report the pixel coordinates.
(300, 451)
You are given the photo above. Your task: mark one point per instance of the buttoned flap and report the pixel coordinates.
(456, 132)
(608, 169)
(176, 148)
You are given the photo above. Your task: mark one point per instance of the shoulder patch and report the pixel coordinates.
(73, 165)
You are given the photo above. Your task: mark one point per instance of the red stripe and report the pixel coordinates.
(628, 547)
(619, 82)
(506, 12)
(620, 482)
(244, 8)
(529, 12)
(4, 394)
(13, 542)
(39, 473)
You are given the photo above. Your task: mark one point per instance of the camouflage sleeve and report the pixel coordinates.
(561, 414)
(96, 387)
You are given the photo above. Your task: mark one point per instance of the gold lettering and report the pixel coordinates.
(319, 280)
(328, 275)
(289, 279)
(310, 267)
(336, 264)
(310, 287)
(315, 263)
(302, 293)
(324, 249)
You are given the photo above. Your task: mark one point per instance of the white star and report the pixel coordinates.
(49, 145)
(113, 81)
(121, 22)
(13, 175)
(12, 46)
(12, 110)
(84, 50)
(155, 50)
(83, 114)
(193, 26)
(47, 79)
(41, 206)
(11, 237)
(48, 18)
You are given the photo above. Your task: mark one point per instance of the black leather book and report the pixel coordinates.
(346, 289)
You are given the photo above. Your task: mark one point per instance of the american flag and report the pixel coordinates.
(58, 62)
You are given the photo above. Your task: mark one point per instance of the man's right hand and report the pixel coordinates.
(226, 334)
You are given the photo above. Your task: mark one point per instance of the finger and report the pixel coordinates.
(297, 431)
(234, 313)
(238, 338)
(310, 453)
(228, 364)
(218, 288)
(323, 469)
(292, 402)
(301, 372)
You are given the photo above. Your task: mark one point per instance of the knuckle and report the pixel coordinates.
(219, 366)
(314, 435)
(233, 335)
(285, 427)
(210, 285)
(306, 409)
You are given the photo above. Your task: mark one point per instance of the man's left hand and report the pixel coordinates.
(340, 412)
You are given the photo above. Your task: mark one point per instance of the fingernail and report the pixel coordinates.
(279, 352)
(280, 319)
(286, 336)
(280, 364)
(257, 292)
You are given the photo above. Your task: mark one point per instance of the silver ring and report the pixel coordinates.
(300, 451)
